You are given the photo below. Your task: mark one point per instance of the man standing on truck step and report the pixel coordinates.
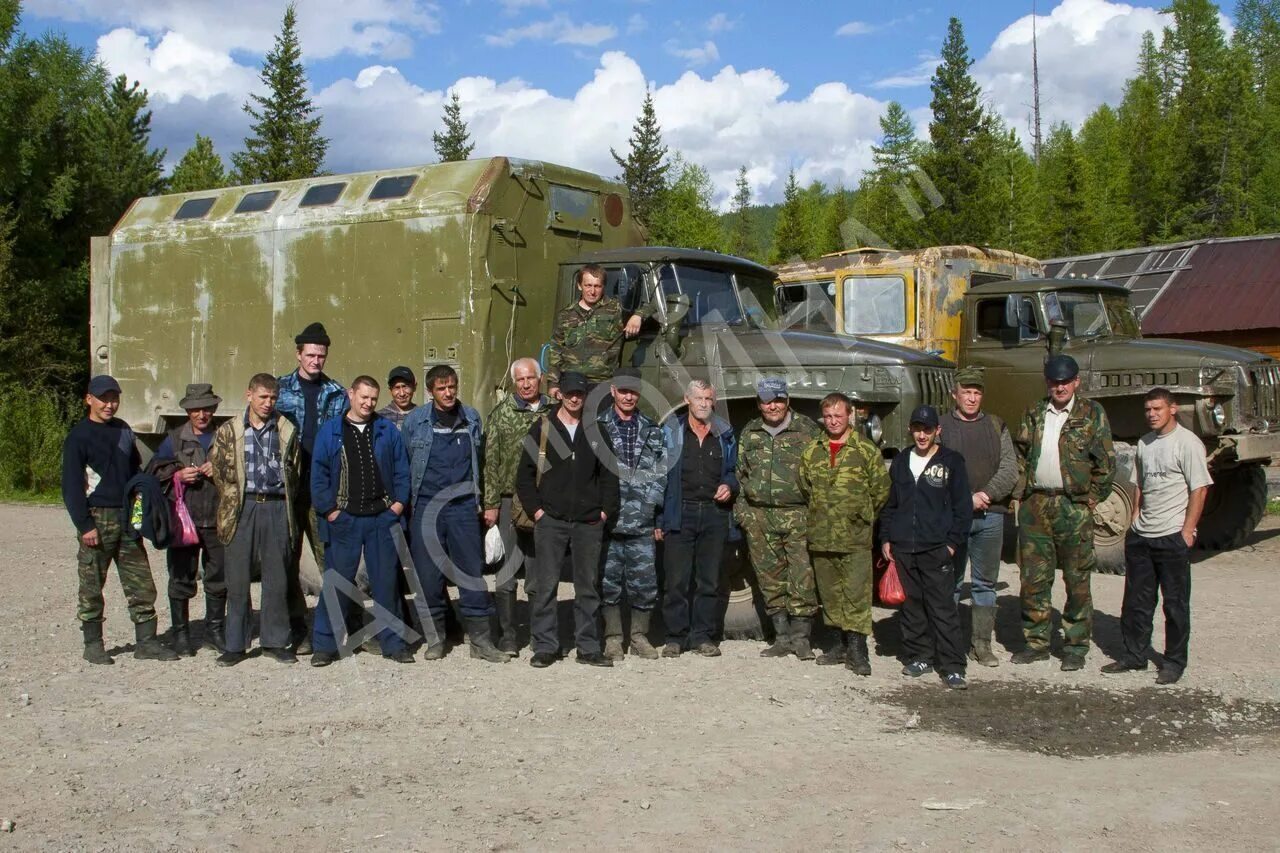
(99, 457)
(1172, 479)
(1066, 465)
(401, 385)
(843, 480)
(587, 336)
(772, 515)
(255, 458)
(992, 465)
(571, 493)
(360, 489)
(696, 521)
(506, 428)
(183, 457)
(307, 398)
(443, 438)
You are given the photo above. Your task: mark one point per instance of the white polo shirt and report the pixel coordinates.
(1049, 465)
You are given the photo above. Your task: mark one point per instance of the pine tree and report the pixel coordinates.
(1109, 221)
(130, 167)
(643, 169)
(1264, 194)
(199, 169)
(285, 141)
(685, 217)
(1145, 135)
(1011, 194)
(889, 203)
(838, 210)
(899, 150)
(813, 210)
(1061, 195)
(742, 238)
(789, 237)
(455, 143)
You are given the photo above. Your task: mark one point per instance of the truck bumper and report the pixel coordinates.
(1254, 447)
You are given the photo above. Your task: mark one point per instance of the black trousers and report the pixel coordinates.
(691, 558)
(930, 619)
(185, 568)
(552, 538)
(1151, 564)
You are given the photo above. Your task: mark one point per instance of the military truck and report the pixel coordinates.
(981, 306)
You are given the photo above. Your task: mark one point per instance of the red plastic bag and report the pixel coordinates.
(187, 533)
(890, 588)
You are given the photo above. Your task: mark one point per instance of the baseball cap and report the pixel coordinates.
(925, 416)
(401, 374)
(628, 378)
(771, 388)
(573, 382)
(103, 384)
(1061, 368)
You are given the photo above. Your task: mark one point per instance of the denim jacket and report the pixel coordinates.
(418, 431)
(332, 402)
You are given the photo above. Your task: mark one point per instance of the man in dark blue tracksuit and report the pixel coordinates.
(926, 519)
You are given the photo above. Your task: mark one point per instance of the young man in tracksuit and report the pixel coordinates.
(926, 519)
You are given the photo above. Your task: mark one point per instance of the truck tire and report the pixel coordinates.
(1234, 506)
(1113, 517)
(744, 615)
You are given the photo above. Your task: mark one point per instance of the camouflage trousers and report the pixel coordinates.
(629, 566)
(130, 557)
(779, 553)
(1056, 534)
(844, 588)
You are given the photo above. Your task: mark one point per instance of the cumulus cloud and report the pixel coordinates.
(694, 56)
(559, 29)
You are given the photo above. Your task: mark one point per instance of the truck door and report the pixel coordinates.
(1013, 356)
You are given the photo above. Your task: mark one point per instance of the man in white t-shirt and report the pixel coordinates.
(1172, 477)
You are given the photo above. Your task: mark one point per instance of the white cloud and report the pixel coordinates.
(918, 75)
(856, 28)
(174, 67)
(636, 24)
(694, 56)
(720, 23)
(558, 29)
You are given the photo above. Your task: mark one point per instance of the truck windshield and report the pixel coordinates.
(808, 305)
(712, 296)
(875, 305)
(1082, 312)
(1120, 312)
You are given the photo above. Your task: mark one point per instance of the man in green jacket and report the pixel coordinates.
(587, 336)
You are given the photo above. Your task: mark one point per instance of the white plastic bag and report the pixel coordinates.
(494, 549)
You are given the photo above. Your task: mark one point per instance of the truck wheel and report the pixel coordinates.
(1113, 517)
(744, 615)
(1234, 506)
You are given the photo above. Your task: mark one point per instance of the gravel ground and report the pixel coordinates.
(733, 752)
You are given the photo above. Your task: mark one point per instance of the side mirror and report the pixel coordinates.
(677, 309)
(1013, 310)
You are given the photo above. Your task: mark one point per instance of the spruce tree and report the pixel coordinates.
(455, 143)
(685, 218)
(790, 240)
(643, 169)
(1062, 195)
(130, 168)
(1109, 221)
(1145, 135)
(813, 210)
(837, 212)
(199, 169)
(1264, 192)
(742, 237)
(899, 150)
(285, 141)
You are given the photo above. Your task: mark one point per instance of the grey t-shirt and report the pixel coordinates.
(1168, 469)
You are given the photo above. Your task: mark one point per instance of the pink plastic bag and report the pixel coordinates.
(187, 533)
(890, 590)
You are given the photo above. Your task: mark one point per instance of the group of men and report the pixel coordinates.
(582, 473)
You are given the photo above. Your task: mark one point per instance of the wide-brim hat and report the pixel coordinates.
(200, 396)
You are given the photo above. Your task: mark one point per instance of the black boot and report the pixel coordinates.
(180, 628)
(781, 636)
(481, 646)
(838, 654)
(147, 646)
(505, 604)
(858, 661)
(215, 623)
(801, 627)
(436, 645)
(93, 649)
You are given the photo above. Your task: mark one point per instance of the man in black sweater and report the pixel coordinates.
(570, 501)
(925, 520)
(99, 457)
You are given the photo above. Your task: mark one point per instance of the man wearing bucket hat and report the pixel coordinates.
(182, 461)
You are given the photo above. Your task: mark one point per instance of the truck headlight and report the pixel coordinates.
(1218, 414)
(875, 428)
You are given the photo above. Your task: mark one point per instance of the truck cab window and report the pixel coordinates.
(713, 299)
(875, 305)
(990, 322)
(625, 284)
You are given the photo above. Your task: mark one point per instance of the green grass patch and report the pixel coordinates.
(1273, 506)
(29, 498)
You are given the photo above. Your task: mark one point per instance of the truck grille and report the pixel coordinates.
(1266, 391)
(935, 387)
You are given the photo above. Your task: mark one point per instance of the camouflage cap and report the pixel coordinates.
(971, 375)
(1061, 368)
(771, 388)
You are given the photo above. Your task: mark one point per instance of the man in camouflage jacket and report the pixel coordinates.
(587, 336)
(772, 516)
(1066, 466)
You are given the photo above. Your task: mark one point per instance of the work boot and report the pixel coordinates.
(147, 647)
(984, 624)
(93, 648)
(215, 623)
(837, 655)
(505, 603)
(640, 644)
(436, 646)
(613, 632)
(1030, 655)
(781, 636)
(801, 627)
(858, 660)
(180, 628)
(481, 646)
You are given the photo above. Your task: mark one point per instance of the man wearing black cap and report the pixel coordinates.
(183, 457)
(99, 457)
(1066, 467)
(307, 399)
(402, 386)
(924, 522)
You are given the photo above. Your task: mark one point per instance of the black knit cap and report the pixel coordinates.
(313, 334)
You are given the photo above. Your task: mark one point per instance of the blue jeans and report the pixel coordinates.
(982, 552)
(454, 538)
(349, 537)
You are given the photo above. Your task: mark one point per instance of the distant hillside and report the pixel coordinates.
(763, 219)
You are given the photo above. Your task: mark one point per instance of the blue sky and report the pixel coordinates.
(770, 85)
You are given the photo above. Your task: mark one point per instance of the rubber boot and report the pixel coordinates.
(613, 632)
(147, 647)
(180, 630)
(984, 623)
(781, 636)
(858, 660)
(801, 628)
(481, 646)
(436, 646)
(837, 655)
(215, 623)
(93, 649)
(505, 603)
(640, 645)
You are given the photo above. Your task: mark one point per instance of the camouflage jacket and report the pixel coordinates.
(227, 458)
(589, 342)
(505, 429)
(769, 466)
(643, 488)
(1084, 448)
(844, 499)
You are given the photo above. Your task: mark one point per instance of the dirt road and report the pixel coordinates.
(735, 752)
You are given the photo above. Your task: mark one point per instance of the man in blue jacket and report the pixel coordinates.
(696, 520)
(443, 438)
(360, 488)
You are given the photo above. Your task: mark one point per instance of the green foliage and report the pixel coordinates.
(742, 240)
(285, 142)
(455, 143)
(122, 130)
(836, 212)
(33, 425)
(684, 216)
(1061, 194)
(643, 169)
(199, 169)
(1109, 217)
(790, 236)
